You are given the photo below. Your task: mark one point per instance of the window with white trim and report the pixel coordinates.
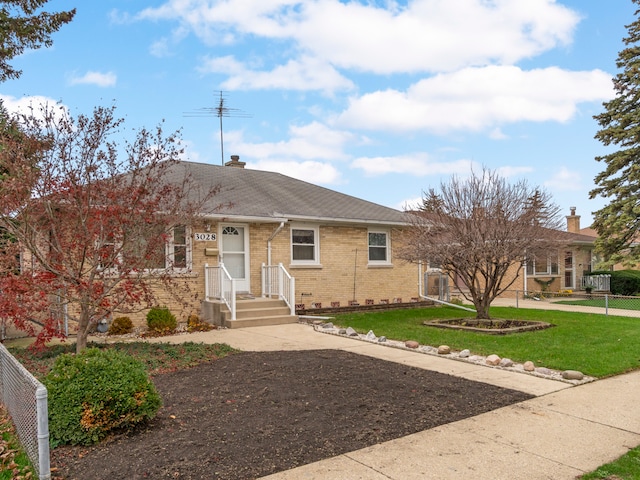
(537, 266)
(167, 251)
(304, 245)
(379, 247)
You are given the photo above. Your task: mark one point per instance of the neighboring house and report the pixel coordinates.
(566, 270)
(561, 271)
(338, 249)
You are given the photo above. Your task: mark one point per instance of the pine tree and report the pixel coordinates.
(618, 223)
(23, 27)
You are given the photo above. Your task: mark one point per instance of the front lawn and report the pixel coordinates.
(594, 344)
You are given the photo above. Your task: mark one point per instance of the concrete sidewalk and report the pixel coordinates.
(562, 433)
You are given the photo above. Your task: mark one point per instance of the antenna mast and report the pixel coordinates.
(220, 110)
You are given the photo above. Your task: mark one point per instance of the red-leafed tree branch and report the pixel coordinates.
(87, 220)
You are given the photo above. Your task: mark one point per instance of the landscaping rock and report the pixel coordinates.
(506, 362)
(342, 331)
(572, 375)
(464, 353)
(543, 371)
(327, 325)
(493, 360)
(351, 332)
(371, 336)
(411, 344)
(444, 350)
(382, 339)
(529, 366)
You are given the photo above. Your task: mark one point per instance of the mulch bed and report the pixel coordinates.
(252, 414)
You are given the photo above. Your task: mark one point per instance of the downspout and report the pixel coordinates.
(273, 235)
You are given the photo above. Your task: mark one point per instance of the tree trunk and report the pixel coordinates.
(83, 330)
(482, 305)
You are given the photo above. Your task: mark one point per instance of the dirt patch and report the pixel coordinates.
(495, 326)
(253, 414)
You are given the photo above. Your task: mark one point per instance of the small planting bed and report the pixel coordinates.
(492, 327)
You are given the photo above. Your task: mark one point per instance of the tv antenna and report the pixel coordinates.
(220, 110)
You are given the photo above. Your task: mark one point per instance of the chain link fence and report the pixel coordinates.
(570, 301)
(26, 401)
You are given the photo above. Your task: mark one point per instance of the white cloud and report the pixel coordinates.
(99, 79)
(497, 134)
(564, 179)
(418, 164)
(310, 171)
(477, 99)
(423, 36)
(306, 73)
(32, 105)
(312, 141)
(409, 204)
(508, 172)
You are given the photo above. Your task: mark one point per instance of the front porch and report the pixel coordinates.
(226, 307)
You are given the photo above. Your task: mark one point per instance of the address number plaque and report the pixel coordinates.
(204, 237)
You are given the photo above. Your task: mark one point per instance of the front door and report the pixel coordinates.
(235, 254)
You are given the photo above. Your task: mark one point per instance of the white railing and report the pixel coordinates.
(276, 282)
(219, 285)
(600, 283)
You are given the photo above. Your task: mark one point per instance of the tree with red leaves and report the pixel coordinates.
(87, 221)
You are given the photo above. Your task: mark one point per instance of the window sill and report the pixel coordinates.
(380, 265)
(294, 266)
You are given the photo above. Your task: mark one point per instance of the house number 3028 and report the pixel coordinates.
(204, 237)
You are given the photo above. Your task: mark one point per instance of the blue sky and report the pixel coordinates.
(379, 99)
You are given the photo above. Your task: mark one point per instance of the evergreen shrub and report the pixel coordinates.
(120, 326)
(160, 320)
(96, 392)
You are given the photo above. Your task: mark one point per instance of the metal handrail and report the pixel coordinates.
(276, 281)
(220, 285)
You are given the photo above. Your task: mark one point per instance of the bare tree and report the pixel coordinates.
(481, 230)
(93, 220)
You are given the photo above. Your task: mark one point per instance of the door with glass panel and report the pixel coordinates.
(235, 254)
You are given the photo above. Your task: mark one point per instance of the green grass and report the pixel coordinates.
(14, 462)
(627, 467)
(594, 344)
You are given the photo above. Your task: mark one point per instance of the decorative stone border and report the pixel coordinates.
(474, 325)
(492, 361)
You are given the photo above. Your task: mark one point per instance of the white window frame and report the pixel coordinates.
(387, 247)
(170, 249)
(531, 268)
(316, 244)
(170, 253)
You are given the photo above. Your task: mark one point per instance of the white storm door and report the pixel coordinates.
(235, 254)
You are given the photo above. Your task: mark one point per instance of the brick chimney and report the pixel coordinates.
(235, 162)
(573, 221)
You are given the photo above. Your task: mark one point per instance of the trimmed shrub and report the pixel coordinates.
(194, 324)
(96, 392)
(161, 320)
(120, 326)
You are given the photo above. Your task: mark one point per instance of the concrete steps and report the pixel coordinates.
(258, 312)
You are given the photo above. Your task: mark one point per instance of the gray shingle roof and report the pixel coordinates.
(269, 195)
